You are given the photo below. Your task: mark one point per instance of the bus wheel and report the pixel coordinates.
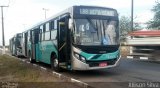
(54, 64)
(30, 58)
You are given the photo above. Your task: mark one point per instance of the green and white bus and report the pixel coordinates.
(79, 38)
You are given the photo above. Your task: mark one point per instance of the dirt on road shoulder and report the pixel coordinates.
(27, 76)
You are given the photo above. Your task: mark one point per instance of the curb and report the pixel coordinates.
(61, 76)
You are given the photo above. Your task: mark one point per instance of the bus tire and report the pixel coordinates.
(54, 63)
(30, 58)
(18, 56)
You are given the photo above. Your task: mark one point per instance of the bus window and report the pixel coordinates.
(47, 26)
(44, 28)
(28, 33)
(41, 29)
(47, 35)
(110, 32)
(51, 25)
(96, 32)
(41, 32)
(53, 34)
(28, 37)
(43, 36)
(40, 36)
(55, 24)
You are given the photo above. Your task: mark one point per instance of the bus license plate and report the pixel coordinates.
(102, 64)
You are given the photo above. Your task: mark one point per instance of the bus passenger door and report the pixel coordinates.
(62, 42)
(35, 39)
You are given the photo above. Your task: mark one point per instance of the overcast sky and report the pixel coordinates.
(21, 14)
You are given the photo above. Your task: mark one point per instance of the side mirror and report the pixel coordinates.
(70, 23)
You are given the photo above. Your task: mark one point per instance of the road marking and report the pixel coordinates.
(55, 73)
(35, 65)
(144, 58)
(74, 80)
(130, 57)
(80, 82)
(43, 68)
(28, 62)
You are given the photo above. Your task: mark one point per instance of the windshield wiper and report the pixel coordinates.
(92, 24)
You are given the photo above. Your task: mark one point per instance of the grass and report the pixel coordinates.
(13, 70)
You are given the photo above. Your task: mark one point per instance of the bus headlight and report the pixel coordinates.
(76, 55)
(81, 58)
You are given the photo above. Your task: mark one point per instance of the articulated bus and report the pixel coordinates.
(79, 38)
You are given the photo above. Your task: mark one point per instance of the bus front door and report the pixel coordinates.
(62, 43)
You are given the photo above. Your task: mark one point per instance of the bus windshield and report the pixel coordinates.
(96, 32)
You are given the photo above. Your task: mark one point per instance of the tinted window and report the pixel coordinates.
(51, 25)
(55, 24)
(41, 29)
(47, 26)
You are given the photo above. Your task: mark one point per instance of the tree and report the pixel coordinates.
(155, 22)
(125, 26)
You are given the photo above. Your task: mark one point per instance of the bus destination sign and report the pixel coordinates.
(90, 11)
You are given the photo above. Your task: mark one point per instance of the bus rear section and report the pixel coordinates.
(16, 45)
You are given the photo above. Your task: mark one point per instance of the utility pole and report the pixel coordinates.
(132, 3)
(3, 39)
(45, 11)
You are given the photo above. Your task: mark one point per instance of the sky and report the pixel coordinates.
(22, 14)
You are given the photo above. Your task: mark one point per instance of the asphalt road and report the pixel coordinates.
(127, 72)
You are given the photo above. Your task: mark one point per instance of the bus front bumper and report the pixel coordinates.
(79, 65)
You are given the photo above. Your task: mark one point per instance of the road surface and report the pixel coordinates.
(128, 71)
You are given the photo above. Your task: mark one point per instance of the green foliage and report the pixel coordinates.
(155, 22)
(125, 26)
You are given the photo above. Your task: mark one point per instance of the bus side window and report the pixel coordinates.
(54, 34)
(40, 36)
(47, 26)
(29, 36)
(33, 40)
(47, 32)
(53, 28)
(55, 24)
(41, 33)
(47, 35)
(51, 25)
